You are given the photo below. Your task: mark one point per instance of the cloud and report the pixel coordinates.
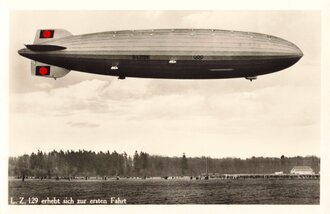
(83, 124)
(198, 117)
(44, 85)
(86, 95)
(159, 99)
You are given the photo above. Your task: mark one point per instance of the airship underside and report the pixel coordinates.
(175, 54)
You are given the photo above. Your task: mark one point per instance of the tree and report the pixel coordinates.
(184, 164)
(88, 163)
(136, 164)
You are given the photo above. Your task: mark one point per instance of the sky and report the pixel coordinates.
(278, 114)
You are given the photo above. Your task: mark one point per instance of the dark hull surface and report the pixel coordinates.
(183, 69)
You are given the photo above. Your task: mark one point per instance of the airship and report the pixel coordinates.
(160, 53)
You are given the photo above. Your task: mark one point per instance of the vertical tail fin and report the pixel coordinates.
(45, 35)
(45, 70)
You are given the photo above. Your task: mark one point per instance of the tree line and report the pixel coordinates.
(109, 164)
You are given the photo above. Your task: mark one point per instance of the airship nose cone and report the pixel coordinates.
(285, 48)
(293, 50)
(298, 52)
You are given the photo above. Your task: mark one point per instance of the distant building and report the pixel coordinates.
(279, 173)
(302, 170)
(214, 174)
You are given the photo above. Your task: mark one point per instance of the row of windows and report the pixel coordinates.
(198, 57)
(147, 57)
(141, 57)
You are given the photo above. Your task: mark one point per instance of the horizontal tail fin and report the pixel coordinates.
(45, 35)
(42, 48)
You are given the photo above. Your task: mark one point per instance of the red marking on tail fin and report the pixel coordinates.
(46, 34)
(42, 70)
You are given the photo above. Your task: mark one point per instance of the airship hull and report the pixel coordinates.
(175, 54)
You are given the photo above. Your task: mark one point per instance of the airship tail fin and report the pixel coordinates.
(42, 48)
(46, 35)
(45, 70)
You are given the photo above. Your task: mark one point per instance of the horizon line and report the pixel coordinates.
(162, 155)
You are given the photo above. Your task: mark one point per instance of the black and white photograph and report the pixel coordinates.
(164, 107)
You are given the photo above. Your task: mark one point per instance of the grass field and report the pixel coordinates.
(159, 191)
